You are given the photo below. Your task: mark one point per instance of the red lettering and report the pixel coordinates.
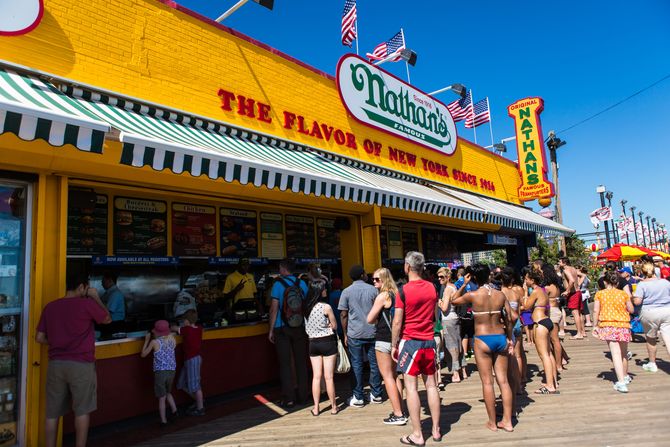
(401, 157)
(327, 131)
(316, 132)
(431, 166)
(339, 137)
(289, 120)
(245, 106)
(393, 154)
(351, 141)
(226, 97)
(368, 146)
(301, 125)
(411, 159)
(264, 112)
(425, 164)
(378, 149)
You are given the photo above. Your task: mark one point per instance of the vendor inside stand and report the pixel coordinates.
(239, 292)
(115, 302)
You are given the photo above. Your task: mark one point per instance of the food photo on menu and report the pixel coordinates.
(239, 233)
(139, 227)
(193, 230)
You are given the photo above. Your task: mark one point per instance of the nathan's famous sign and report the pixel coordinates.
(378, 99)
(530, 147)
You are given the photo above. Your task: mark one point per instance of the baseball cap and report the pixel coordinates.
(356, 271)
(626, 270)
(657, 258)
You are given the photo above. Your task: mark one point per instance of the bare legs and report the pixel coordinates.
(323, 367)
(579, 323)
(618, 349)
(542, 347)
(486, 362)
(414, 406)
(386, 368)
(520, 355)
(161, 406)
(557, 348)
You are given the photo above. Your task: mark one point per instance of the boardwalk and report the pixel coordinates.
(587, 413)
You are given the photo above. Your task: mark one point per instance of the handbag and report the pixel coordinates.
(343, 365)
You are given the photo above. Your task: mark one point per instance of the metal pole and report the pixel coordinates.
(632, 212)
(651, 231)
(644, 239)
(607, 227)
(234, 8)
(655, 230)
(554, 175)
(625, 220)
(356, 25)
(609, 195)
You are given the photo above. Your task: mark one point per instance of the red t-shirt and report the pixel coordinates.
(68, 325)
(192, 338)
(665, 272)
(419, 308)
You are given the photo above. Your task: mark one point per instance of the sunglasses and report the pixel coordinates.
(441, 277)
(376, 279)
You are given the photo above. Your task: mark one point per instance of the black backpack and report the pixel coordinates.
(292, 304)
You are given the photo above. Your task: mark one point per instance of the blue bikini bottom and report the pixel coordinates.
(495, 342)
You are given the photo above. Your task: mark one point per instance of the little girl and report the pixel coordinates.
(165, 365)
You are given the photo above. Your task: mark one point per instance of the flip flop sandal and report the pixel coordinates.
(313, 414)
(406, 440)
(545, 390)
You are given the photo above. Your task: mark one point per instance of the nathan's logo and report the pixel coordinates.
(530, 148)
(379, 99)
(19, 17)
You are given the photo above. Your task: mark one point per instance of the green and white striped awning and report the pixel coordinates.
(166, 140)
(34, 109)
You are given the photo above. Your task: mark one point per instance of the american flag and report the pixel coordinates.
(349, 22)
(385, 49)
(460, 108)
(481, 114)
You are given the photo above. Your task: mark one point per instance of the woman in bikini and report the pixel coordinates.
(537, 300)
(493, 344)
(380, 315)
(552, 285)
(516, 369)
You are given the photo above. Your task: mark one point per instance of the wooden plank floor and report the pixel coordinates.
(587, 413)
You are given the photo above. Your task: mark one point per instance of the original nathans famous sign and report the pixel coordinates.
(378, 99)
(530, 149)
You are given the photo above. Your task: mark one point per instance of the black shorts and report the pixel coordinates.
(467, 327)
(323, 346)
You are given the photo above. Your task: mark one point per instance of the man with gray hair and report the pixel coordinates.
(414, 322)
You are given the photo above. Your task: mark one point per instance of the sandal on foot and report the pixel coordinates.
(438, 439)
(312, 411)
(406, 440)
(545, 390)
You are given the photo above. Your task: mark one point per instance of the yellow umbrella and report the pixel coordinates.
(622, 252)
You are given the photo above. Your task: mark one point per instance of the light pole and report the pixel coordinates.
(609, 195)
(654, 244)
(644, 239)
(553, 143)
(623, 205)
(632, 212)
(601, 190)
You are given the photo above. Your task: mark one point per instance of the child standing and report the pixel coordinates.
(189, 379)
(165, 364)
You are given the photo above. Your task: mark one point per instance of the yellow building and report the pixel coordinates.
(142, 137)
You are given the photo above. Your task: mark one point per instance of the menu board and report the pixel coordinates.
(410, 239)
(439, 245)
(239, 233)
(193, 230)
(272, 236)
(87, 228)
(300, 237)
(384, 242)
(328, 239)
(139, 226)
(395, 243)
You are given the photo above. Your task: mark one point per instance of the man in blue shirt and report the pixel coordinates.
(115, 302)
(288, 339)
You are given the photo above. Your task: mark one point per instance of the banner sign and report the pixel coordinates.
(135, 260)
(378, 99)
(530, 148)
(600, 215)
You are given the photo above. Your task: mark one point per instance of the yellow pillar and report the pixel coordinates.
(372, 253)
(47, 283)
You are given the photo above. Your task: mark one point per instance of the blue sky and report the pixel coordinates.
(579, 56)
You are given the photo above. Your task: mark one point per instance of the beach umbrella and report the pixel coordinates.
(622, 252)
(652, 253)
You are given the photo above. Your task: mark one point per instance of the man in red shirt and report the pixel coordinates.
(414, 322)
(66, 325)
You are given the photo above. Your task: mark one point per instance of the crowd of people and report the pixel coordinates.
(403, 328)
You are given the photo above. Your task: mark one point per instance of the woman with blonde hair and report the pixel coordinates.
(451, 324)
(653, 294)
(381, 315)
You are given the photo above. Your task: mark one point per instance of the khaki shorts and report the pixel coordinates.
(655, 320)
(555, 315)
(69, 381)
(163, 382)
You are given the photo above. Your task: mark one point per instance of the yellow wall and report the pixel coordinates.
(149, 50)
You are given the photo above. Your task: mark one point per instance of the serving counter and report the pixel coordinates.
(234, 357)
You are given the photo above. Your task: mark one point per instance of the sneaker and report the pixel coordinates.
(627, 380)
(650, 367)
(357, 403)
(395, 420)
(196, 412)
(620, 387)
(629, 355)
(375, 399)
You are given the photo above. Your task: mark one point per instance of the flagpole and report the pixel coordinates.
(402, 33)
(488, 106)
(356, 25)
(472, 111)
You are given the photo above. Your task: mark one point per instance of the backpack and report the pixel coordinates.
(292, 304)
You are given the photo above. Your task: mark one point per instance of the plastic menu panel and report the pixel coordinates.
(410, 239)
(395, 242)
(139, 226)
(439, 245)
(272, 235)
(193, 230)
(87, 228)
(239, 233)
(384, 242)
(300, 237)
(328, 239)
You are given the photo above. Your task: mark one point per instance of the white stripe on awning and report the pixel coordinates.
(34, 109)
